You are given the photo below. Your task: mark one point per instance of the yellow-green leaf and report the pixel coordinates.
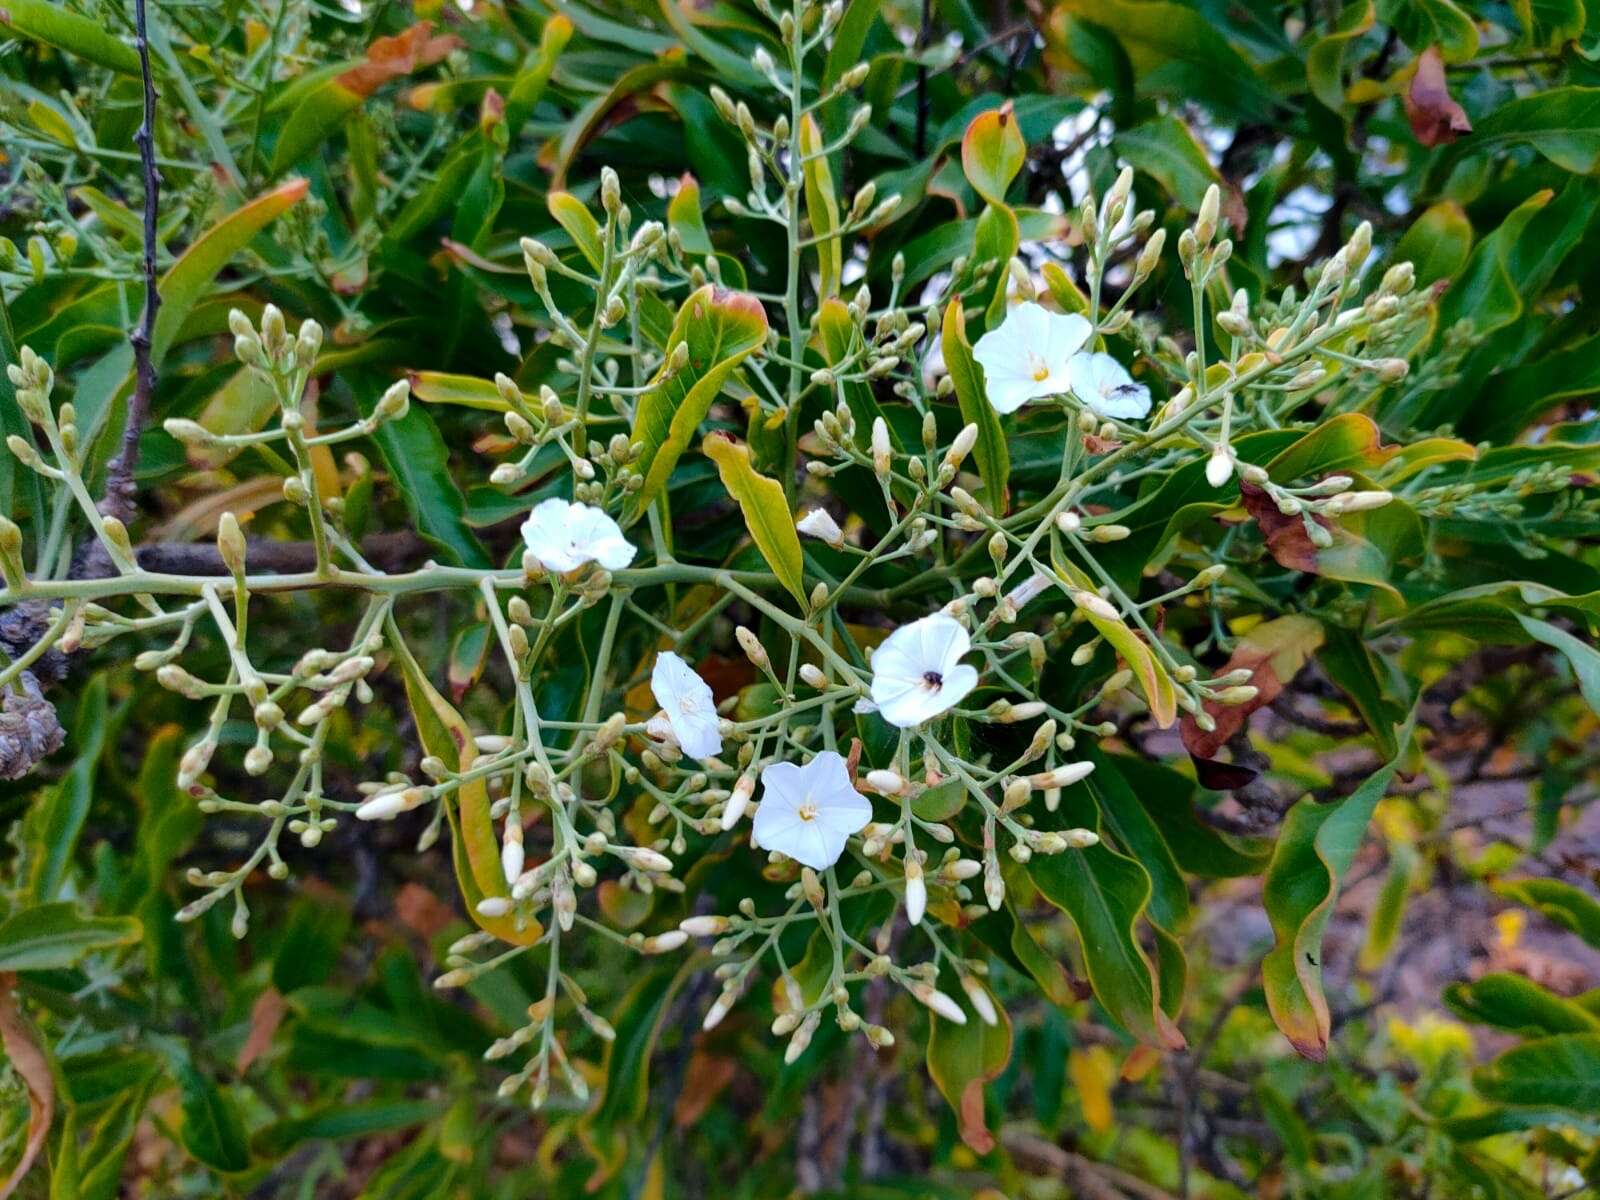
(992, 152)
(822, 206)
(444, 733)
(765, 509)
(685, 218)
(994, 459)
(1152, 677)
(467, 391)
(961, 1059)
(574, 216)
(720, 328)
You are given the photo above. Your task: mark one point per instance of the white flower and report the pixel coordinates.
(686, 699)
(917, 673)
(1028, 356)
(563, 536)
(1104, 384)
(818, 523)
(807, 813)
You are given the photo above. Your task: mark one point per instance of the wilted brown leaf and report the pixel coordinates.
(1274, 652)
(28, 1061)
(391, 57)
(1434, 115)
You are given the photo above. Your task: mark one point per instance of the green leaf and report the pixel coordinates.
(189, 279)
(1516, 1003)
(719, 328)
(474, 847)
(993, 458)
(1154, 681)
(212, 1129)
(961, 1059)
(1315, 848)
(1585, 659)
(419, 462)
(1437, 244)
(1384, 923)
(1562, 123)
(765, 508)
(55, 822)
(467, 391)
(53, 24)
(992, 153)
(1165, 149)
(839, 338)
(1561, 1070)
(1366, 681)
(341, 1120)
(1566, 905)
(822, 207)
(52, 936)
(638, 1022)
(1106, 893)
(1424, 23)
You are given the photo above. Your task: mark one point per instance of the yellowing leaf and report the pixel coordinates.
(992, 152)
(993, 458)
(822, 206)
(765, 509)
(1152, 677)
(444, 733)
(1093, 1071)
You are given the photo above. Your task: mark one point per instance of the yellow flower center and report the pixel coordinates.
(1041, 370)
(807, 811)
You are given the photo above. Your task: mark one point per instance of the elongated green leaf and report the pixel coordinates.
(1325, 60)
(1106, 894)
(56, 821)
(1516, 1003)
(1390, 907)
(961, 1059)
(1585, 659)
(1561, 1070)
(187, 280)
(1315, 848)
(1562, 123)
(839, 338)
(686, 219)
(638, 1023)
(765, 508)
(474, 847)
(417, 457)
(54, 24)
(1438, 242)
(1154, 681)
(51, 936)
(993, 458)
(719, 328)
(468, 391)
(534, 76)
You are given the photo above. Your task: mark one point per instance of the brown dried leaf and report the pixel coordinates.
(1434, 115)
(29, 1062)
(1274, 651)
(392, 57)
(265, 1017)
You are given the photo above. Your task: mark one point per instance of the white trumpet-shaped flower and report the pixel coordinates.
(819, 523)
(1103, 383)
(691, 709)
(917, 672)
(809, 812)
(1028, 356)
(564, 535)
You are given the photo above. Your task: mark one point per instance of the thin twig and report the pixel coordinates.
(120, 489)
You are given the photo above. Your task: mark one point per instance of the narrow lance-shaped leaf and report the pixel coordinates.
(574, 216)
(53, 936)
(53, 24)
(719, 328)
(535, 74)
(444, 733)
(187, 280)
(1315, 849)
(765, 508)
(993, 458)
(1152, 676)
(822, 206)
